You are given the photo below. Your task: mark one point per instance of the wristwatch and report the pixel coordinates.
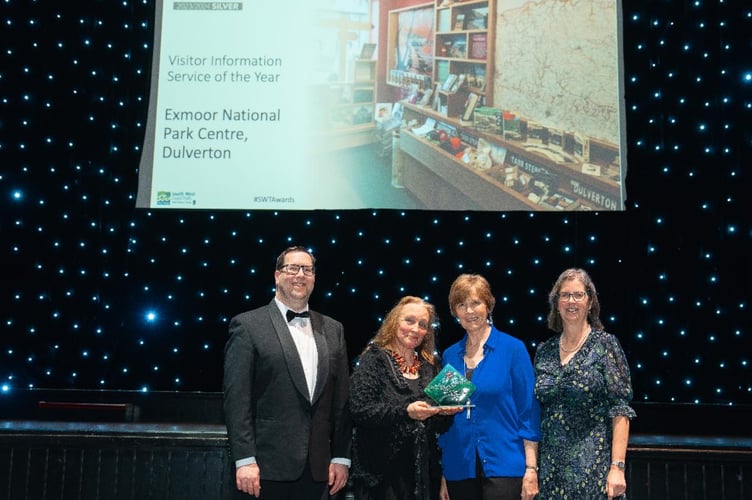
(620, 465)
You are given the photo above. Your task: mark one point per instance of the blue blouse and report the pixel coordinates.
(506, 411)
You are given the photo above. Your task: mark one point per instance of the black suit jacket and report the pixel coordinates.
(266, 405)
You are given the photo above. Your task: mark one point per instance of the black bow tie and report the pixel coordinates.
(291, 315)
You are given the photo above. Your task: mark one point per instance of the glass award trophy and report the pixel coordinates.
(450, 388)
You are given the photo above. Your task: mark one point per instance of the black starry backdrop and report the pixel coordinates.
(99, 295)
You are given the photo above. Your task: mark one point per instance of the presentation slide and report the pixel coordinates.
(276, 106)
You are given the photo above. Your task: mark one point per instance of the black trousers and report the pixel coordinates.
(303, 488)
(485, 488)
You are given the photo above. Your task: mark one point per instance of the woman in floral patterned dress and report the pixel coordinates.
(584, 389)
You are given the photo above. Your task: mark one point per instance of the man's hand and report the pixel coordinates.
(338, 475)
(248, 479)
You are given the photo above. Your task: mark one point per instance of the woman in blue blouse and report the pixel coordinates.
(489, 452)
(584, 388)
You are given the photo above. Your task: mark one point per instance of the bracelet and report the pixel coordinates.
(532, 467)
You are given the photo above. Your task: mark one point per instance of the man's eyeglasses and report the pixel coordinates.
(293, 269)
(577, 296)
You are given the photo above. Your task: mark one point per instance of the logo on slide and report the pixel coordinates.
(163, 197)
(176, 198)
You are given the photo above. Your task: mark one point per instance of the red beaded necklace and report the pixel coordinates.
(409, 370)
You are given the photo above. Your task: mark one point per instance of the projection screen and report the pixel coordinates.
(241, 114)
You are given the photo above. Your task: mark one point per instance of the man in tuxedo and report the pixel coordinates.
(286, 382)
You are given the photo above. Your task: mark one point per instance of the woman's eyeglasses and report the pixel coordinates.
(577, 296)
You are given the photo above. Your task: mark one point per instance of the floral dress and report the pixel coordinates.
(578, 402)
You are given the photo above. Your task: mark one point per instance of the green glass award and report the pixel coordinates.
(450, 388)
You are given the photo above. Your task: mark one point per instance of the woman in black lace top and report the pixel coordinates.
(395, 455)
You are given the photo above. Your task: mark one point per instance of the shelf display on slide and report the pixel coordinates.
(529, 158)
(429, 42)
(464, 46)
(505, 162)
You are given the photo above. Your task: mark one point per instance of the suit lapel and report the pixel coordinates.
(322, 349)
(292, 358)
